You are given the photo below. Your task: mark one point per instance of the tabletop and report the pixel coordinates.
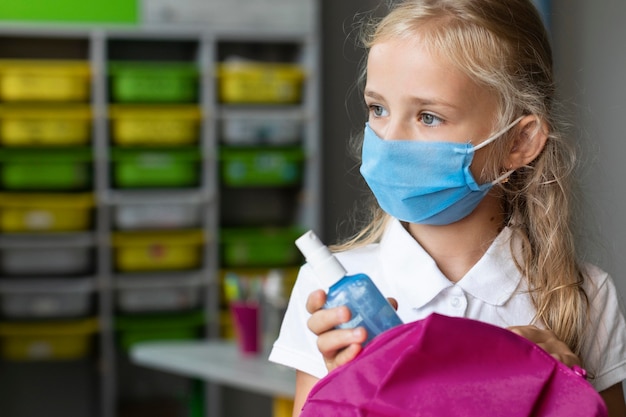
(217, 361)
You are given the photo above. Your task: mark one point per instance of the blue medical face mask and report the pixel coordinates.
(424, 182)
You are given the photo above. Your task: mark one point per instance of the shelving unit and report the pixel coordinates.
(246, 169)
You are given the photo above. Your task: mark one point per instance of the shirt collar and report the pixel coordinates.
(415, 275)
(495, 277)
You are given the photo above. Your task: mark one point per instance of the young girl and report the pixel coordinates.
(471, 173)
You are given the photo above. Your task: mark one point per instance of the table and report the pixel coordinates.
(218, 362)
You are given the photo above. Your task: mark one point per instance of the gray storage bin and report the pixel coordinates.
(259, 130)
(136, 216)
(46, 261)
(46, 298)
(171, 292)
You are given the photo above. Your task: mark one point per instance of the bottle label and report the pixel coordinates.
(370, 309)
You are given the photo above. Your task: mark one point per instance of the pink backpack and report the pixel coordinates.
(453, 367)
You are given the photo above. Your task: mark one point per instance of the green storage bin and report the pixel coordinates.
(46, 169)
(260, 247)
(111, 11)
(134, 329)
(156, 168)
(164, 82)
(261, 166)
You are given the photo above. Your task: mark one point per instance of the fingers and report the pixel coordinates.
(323, 320)
(315, 301)
(532, 333)
(337, 346)
(346, 355)
(548, 341)
(332, 342)
(340, 346)
(393, 302)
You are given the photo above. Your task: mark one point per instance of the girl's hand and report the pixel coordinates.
(338, 346)
(548, 342)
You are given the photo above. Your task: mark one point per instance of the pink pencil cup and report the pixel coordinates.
(247, 322)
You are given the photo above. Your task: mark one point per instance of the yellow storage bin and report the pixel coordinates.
(152, 125)
(22, 125)
(154, 251)
(268, 83)
(282, 407)
(44, 80)
(45, 212)
(49, 340)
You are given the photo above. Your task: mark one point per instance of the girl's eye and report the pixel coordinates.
(378, 111)
(430, 119)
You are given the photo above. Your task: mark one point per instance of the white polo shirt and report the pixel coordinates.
(493, 291)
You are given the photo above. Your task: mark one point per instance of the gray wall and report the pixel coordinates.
(342, 111)
(589, 40)
(590, 57)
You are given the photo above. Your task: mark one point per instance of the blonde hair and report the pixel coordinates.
(503, 46)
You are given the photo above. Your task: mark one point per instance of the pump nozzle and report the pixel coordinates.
(324, 264)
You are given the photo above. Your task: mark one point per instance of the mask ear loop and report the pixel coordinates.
(504, 178)
(498, 134)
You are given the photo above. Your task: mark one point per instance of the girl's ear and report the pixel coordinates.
(532, 134)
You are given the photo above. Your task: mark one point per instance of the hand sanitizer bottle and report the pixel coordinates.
(368, 307)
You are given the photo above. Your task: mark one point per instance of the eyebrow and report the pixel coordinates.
(423, 101)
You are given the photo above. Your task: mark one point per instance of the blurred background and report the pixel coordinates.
(154, 152)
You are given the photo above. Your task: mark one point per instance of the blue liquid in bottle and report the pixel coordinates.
(368, 307)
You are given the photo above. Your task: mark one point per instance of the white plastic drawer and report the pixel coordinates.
(45, 298)
(140, 293)
(260, 131)
(157, 216)
(45, 261)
